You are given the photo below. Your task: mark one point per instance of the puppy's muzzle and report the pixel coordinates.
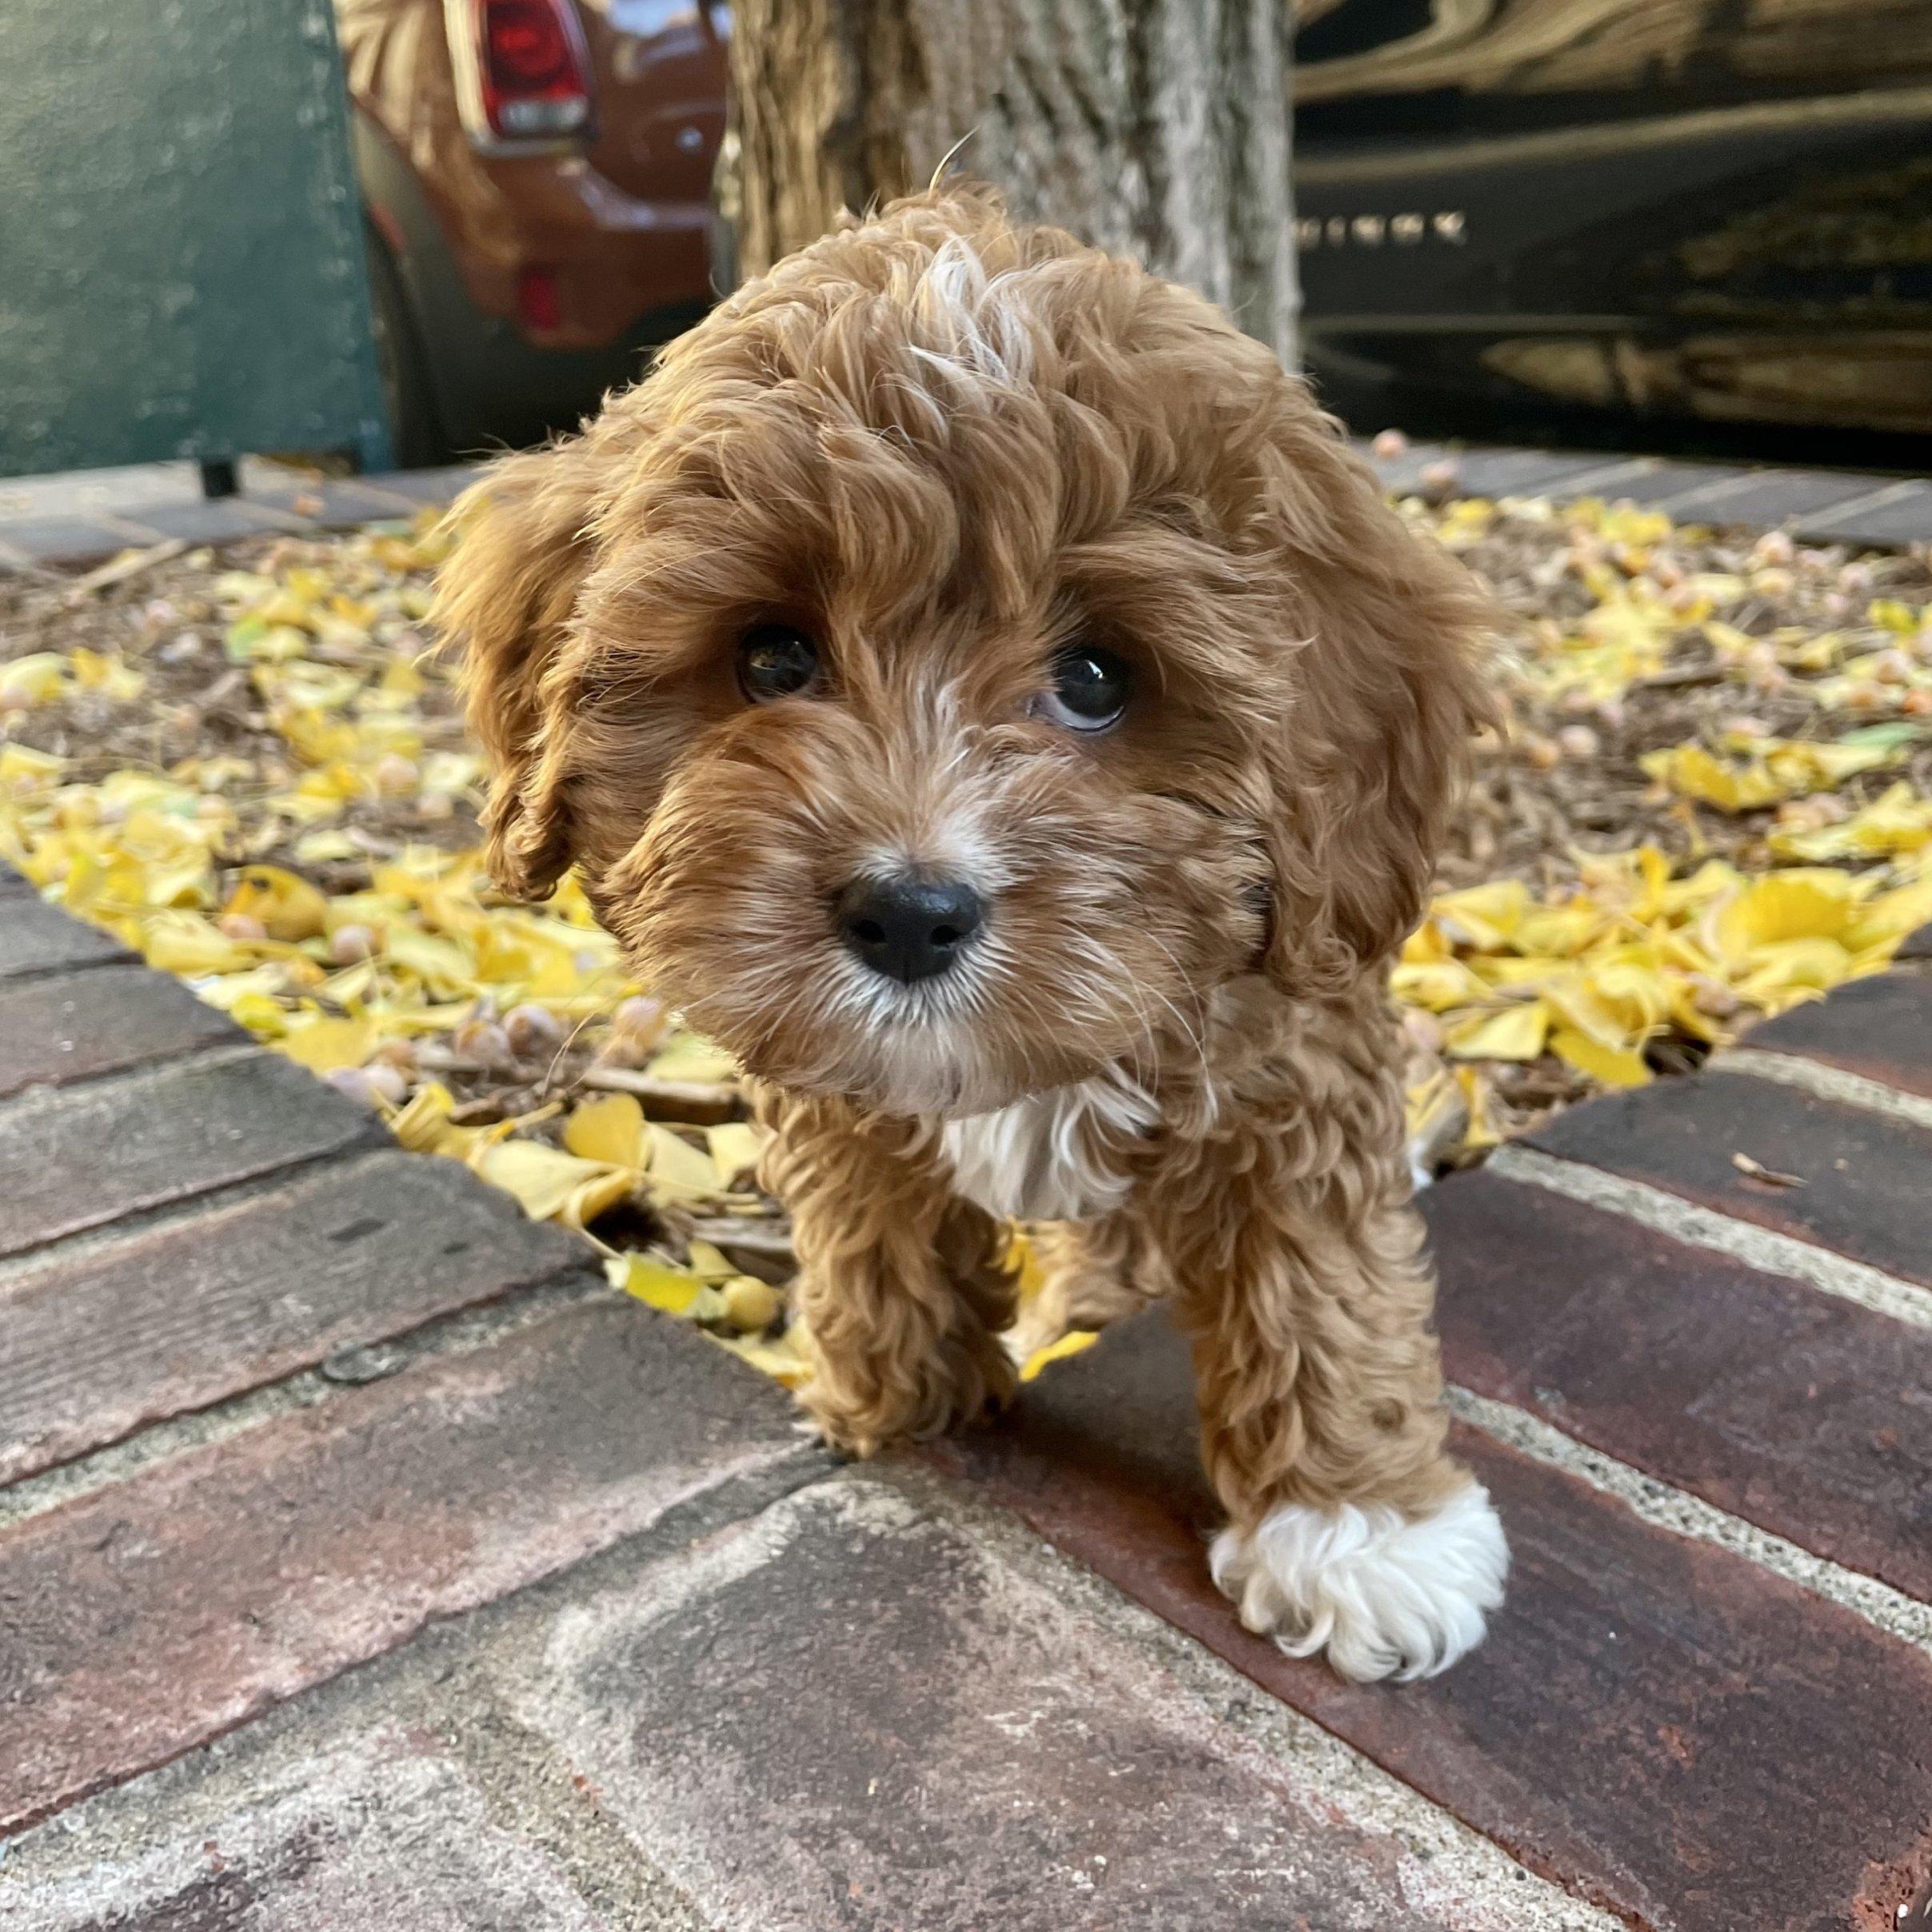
(908, 928)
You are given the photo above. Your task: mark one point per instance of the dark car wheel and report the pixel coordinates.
(416, 438)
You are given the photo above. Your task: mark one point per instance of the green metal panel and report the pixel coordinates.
(181, 269)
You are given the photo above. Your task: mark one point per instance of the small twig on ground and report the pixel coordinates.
(118, 569)
(696, 1102)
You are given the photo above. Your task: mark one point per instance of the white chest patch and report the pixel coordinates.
(1054, 1156)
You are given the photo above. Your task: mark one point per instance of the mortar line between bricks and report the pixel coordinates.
(34, 976)
(217, 1194)
(207, 1051)
(1367, 1788)
(462, 1331)
(1829, 1083)
(1874, 499)
(796, 1470)
(85, 1243)
(1667, 1507)
(211, 1053)
(1758, 1248)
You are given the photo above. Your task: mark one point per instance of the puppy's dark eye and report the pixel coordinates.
(1089, 690)
(776, 661)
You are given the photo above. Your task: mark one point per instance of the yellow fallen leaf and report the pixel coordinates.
(1485, 916)
(1070, 1343)
(288, 906)
(736, 1147)
(609, 1128)
(442, 966)
(1787, 905)
(1437, 985)
(419, 1124)
(594, 1195)
(1773, 769)
(1898, 821)
(1615, 1067)
(1478, 1096)
(543, 1178)
(36, 679)
(689, 1056)
(192, 946)
(1517, 1032)
(1022, 1259)
(656, 1283)
(780, 1359)
(674, 1164)
(324, 1043)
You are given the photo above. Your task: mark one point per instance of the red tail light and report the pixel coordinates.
(522, 69)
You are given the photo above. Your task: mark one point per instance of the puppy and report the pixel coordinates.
(978, 686)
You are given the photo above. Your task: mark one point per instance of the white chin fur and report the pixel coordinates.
(1384, 1595)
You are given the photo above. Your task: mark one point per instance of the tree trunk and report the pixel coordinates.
(1156, 127)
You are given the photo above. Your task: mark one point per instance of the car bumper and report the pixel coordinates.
(604, 261)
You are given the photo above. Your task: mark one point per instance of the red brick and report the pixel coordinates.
(1880, 1028)
(36, 937)
(1863, 1173)
(145, 1619)
(84, 1157)
(1798, 1410)
(1656, 1723)
(183, 1313)
(385, 1829)
(853, 1713)
(76, 1025)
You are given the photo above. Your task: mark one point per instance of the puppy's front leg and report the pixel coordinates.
(1351, 1532)
(901, 1287)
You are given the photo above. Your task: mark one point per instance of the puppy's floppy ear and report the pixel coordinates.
(504, 597)
(1387, 690)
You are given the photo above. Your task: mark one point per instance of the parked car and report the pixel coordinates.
(537, 180)
(1524, 216)
(1694, 212)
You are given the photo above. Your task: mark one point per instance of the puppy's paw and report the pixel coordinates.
(1383, 1594)
(954, 1391)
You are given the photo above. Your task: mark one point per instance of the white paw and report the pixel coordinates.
(1383, 1594)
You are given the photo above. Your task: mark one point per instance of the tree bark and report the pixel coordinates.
(1156, 127)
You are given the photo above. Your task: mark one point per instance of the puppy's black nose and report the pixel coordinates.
(908, 929)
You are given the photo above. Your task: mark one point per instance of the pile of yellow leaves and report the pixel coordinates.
(260, 781)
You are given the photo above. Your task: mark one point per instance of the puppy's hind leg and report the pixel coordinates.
(901, 1289)
(1351, 1532)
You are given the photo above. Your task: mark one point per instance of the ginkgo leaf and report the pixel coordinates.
(781, 1359)
(285, 904)
(325, 1044)
(1613, 1066)
(1070, 1343)
(674, 1164)
(656, 1283)
(736, 1147)
(544, 1178)
(690, 1057)
(609, 1128)
(1517, 1032)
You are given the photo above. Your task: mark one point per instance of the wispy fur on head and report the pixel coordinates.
(947, 449)
(948, 446)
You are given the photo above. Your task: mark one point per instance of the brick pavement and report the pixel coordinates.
(1821, 505)
(58, 522)
(365, 1564)
(61, 522)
